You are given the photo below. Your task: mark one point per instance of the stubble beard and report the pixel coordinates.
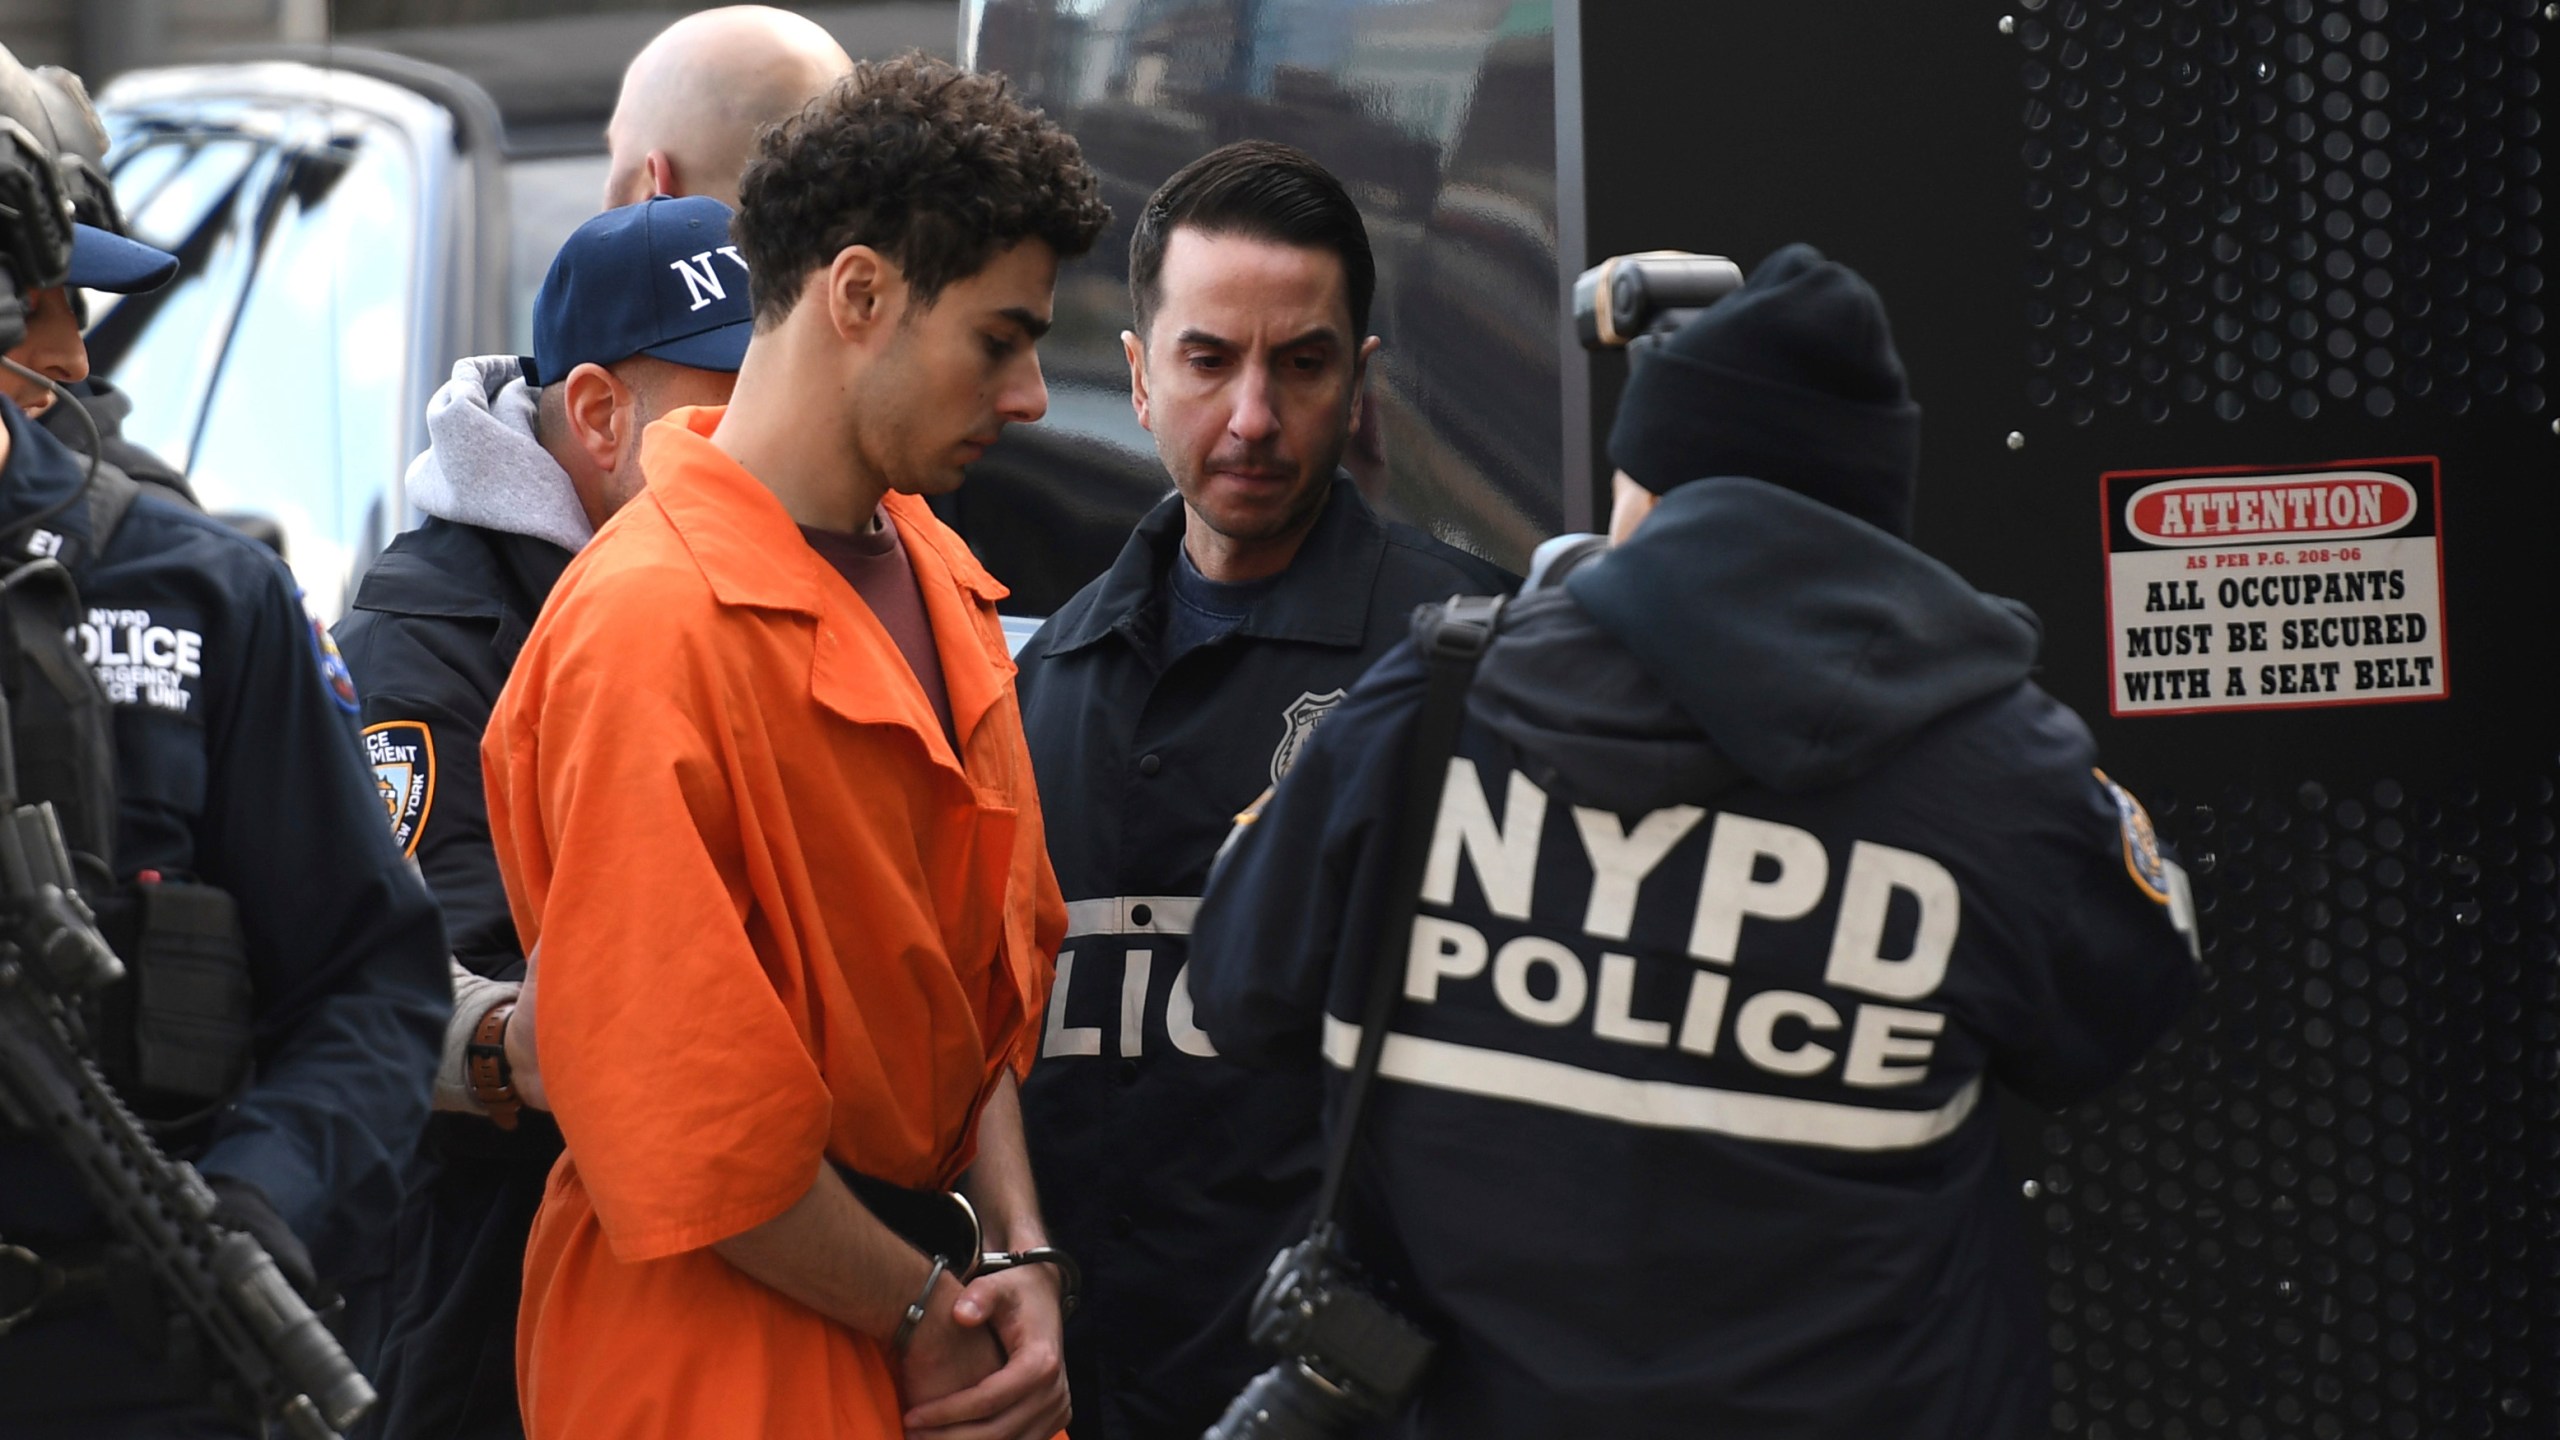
(1295, 518)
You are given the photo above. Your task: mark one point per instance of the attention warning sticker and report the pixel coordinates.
(2267, 589)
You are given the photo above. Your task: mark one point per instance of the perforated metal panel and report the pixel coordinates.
(2329, 1208)
(2326, 1207)
(2277, 207)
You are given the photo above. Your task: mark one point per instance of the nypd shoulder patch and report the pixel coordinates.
(2142, 858)
(403, 756)
(333, 668)
(2158, 876)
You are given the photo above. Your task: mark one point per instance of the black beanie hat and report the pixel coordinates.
(1792, 379)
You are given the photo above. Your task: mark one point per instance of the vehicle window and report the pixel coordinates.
(325, 330)
(546, 199)
(138, 174)
(168, 201)
(202, 201)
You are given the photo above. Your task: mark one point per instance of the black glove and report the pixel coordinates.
(240, 1205)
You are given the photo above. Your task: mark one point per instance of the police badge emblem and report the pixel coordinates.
(403, 756)
(1300, 720)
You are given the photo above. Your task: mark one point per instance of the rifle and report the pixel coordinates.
(284, 1364)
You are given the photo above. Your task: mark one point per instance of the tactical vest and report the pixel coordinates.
(175, 1034)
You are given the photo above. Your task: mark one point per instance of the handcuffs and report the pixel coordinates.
(917, 1215)
(991, 1262)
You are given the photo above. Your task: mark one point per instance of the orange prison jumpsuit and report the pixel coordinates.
(778, 918)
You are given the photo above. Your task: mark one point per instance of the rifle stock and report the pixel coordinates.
(283, 1363)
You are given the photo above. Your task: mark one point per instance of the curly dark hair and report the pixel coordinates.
(936, 167)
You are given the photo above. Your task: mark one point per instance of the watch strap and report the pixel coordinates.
(493, 1081)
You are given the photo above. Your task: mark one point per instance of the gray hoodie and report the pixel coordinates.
(483, 465)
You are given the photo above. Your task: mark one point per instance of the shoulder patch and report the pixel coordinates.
(1299, 723)
(403, 756)
(333, 668)
(2158, 876)
(2142, 858)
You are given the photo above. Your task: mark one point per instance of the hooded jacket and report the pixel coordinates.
(432, 635)
(1760, 854)
(437, 622)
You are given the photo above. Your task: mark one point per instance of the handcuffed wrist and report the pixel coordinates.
(909, 1322)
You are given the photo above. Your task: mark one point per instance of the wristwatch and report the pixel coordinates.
(493, 1081)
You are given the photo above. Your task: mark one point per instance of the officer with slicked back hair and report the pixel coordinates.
(1759, 857)
(1159, 701)
(284, 984)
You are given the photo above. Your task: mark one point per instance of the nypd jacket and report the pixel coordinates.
(434, 629)
(433, 632)
(237, 765)
(436, 626)
(432, 636)
(1171, 1173)
(1759, 859)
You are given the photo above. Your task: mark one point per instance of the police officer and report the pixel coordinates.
(644, 311)
(692, 100)
(1159, 702)
(287, 984)
(62, 117)
(1759, 856)
(684, 123)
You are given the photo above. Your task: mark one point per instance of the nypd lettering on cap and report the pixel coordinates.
(702, 282)
(659, 278)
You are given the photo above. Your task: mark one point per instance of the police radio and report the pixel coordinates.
(1627, 297)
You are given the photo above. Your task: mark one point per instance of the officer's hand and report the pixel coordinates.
(240, 1205)
(1027, 1399)
(944, 1357)
(524, 1067)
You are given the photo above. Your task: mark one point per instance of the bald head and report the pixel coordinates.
(695, 97)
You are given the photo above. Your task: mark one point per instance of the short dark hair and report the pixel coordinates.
(936, 167)
(1262, 190)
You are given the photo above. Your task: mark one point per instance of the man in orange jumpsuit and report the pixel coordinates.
(759, 791)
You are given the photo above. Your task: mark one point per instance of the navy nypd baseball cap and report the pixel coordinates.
(104, 260)
(660, 278)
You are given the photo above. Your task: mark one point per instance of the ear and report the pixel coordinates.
(861, 287)
(594, 401)
(662, 174)
(1630, 504)
(1135, 351)
(1360, 376)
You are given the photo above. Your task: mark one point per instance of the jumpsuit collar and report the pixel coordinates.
(753, 556)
